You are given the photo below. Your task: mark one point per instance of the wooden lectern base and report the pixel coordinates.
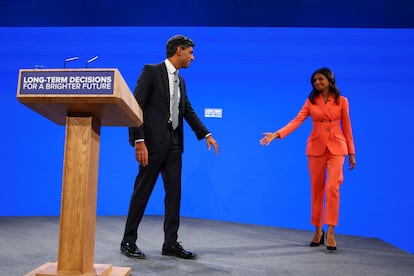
(50, 269)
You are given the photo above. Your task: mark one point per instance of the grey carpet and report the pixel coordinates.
(224, 249)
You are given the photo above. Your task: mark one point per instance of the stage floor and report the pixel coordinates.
(223, 248)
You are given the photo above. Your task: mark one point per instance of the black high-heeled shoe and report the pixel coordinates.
(328, 247)
(321, 241)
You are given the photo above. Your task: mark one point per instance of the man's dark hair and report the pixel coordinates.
(178, 41)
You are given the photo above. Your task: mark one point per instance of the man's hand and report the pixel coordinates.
(141, 153)
(210, 141)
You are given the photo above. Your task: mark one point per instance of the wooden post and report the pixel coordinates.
(79, 189)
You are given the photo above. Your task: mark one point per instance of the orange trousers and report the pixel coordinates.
(326, 176)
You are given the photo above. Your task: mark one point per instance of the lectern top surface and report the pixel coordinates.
(103, 93)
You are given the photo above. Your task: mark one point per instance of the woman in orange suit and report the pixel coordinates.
(329, 141)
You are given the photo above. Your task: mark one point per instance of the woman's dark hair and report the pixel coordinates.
(178, 41)
(332, 86)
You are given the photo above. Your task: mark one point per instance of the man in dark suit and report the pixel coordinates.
(159, 145)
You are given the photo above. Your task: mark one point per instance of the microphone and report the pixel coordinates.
(68, 60)
(91, 60)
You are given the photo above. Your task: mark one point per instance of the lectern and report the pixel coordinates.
(83, 100)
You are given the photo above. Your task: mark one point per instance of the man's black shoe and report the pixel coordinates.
(178, 251)
(131, 250)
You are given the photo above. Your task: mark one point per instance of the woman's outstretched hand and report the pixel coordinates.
(268, 138)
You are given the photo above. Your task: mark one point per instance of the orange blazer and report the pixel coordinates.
(331, 126)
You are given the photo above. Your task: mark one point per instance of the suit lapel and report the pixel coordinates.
(165, 81)
(182, 92)
(326, 106)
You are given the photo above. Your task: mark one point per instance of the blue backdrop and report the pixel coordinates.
(260, 78)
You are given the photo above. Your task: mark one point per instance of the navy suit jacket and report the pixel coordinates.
(152, 93)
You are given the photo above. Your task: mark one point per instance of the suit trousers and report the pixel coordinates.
(326, 176)
(167, 160)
